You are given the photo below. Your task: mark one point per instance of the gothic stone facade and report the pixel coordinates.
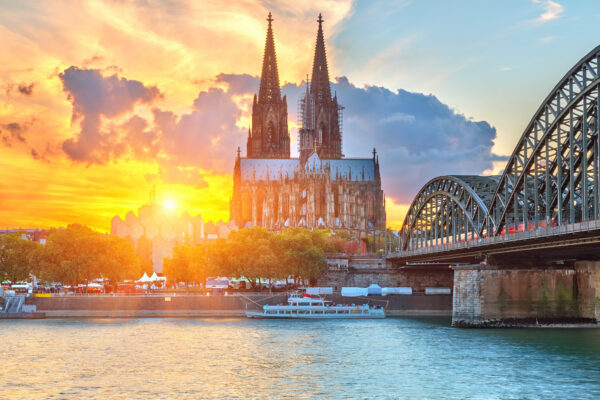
(321, 189)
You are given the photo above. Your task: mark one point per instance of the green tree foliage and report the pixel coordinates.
(336, 244)
(302, 252)
(78, 254)
(189, 264)
(253, 253)
(118, 260)
(18, 257)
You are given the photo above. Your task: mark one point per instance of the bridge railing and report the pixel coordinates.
(540, 232)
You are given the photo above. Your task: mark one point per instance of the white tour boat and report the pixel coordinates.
(313, 306)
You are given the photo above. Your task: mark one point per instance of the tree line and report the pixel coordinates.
(255, 253)
(78, 254)
(72, 256)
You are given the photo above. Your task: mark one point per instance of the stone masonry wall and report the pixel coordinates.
(418, 280)
(489, 296)
(588, 284)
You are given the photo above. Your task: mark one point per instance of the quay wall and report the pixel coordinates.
(417, 279)
(140, 306)
(167, 305)
(493, 296)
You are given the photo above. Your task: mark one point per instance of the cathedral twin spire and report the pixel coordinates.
(320, 114)
(269, 136)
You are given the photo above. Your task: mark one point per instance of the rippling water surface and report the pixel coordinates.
(240, 359)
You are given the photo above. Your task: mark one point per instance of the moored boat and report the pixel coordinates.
(313, 306)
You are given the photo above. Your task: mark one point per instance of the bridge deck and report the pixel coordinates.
(567, 241)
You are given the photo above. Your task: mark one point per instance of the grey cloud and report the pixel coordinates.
(207, 136)
(15, 133)
(94, 96)
(26, 90)
(22, 88)
(417, 136)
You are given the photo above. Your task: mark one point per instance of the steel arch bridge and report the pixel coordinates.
(551, 178)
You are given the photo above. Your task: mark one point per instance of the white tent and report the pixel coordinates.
(154, 277)
(144, 279)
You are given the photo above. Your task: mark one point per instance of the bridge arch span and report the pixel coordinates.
(448, 209)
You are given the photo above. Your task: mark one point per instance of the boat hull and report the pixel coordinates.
(261, 315)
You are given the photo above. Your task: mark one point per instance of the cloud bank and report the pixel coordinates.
(417, 136)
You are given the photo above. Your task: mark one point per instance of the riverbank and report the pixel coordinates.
(193, 306)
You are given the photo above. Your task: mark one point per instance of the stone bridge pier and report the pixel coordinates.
(512, 296)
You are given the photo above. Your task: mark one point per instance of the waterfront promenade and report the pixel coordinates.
(196, 305)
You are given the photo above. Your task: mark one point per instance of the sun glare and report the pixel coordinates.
(170, 204)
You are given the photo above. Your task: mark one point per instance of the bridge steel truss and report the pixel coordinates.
(551, 179)
(552, 176)
(448, 209)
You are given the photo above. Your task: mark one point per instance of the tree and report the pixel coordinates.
(335, 244)
(190, 264)
(78, 254)
(144, 252)
(251, 254)
(302, 252)
(351, 247)
(201, 264)
(178, 267)
(118, 259)
(17, 257)
(71, 255)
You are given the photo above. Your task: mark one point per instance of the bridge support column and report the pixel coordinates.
(488, 296)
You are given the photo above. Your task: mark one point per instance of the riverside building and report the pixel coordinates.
(321, 188)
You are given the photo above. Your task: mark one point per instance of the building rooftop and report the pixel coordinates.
(355, 169)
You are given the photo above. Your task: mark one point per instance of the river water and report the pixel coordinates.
(274, 359)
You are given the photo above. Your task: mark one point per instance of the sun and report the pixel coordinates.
(170, 204)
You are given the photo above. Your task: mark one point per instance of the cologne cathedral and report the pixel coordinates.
(321, 188)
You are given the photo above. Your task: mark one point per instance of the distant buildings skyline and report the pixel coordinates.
(157, 230)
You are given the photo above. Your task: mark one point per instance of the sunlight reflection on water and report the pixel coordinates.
(239, 359)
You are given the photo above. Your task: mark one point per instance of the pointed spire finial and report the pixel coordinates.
(269, 91)
(374, 152)
(320, 74)
(238, 152)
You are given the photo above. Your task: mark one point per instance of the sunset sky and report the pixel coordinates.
(102, 100)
